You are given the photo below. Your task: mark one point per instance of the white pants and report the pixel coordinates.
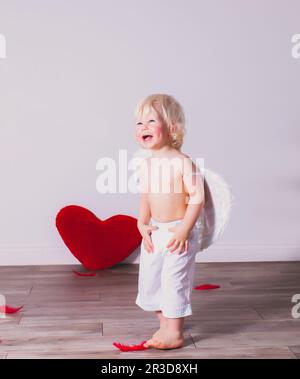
(166, 279)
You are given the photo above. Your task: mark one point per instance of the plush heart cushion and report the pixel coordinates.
(97, 244)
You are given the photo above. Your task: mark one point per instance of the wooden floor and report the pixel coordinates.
(66, 316)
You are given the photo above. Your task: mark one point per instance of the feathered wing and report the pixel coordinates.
(215, 214)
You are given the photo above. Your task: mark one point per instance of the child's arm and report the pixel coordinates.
(144, 210)
(143, 223)
(194, 186)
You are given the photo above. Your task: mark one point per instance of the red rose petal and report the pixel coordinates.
(204, 287)
(123, 347)
(6, 309)
(78, 273)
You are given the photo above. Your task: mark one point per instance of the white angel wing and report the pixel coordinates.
(215, 214)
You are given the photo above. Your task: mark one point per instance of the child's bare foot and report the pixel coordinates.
(156, 334)
(163, 326)
(166, 339)
(159, 332)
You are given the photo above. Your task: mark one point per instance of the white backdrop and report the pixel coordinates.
(73, 73)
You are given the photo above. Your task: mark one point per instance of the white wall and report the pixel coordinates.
(73, 74)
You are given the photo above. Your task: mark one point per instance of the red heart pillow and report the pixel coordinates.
(97, 244)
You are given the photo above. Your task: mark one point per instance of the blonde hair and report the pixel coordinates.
(171, 113)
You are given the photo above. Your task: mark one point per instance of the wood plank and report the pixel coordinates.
(52, 330)
(240, 326)
(53, 354)
(276, 312)
(11, 319)
(295, 350)
(234, 338)
(255, 352)
(60, 321)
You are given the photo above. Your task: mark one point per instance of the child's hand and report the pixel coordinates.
(179, 242)
(145, 231)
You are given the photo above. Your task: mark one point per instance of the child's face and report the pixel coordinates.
(151, 132)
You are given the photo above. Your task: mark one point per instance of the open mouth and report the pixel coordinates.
(147, 137)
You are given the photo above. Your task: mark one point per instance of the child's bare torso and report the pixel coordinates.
(164, 188)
